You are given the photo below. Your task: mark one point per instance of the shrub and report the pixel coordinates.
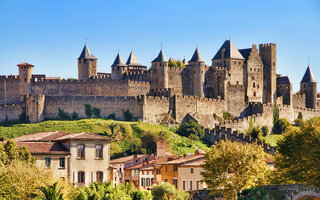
(281, 126)
(168, 191)
(300, 116)
(254, 132)
(127, 115)
(88, 110)
(112, 116)
(227, 116)
(96, 112)
(191, 128)
(275, 115)
(74, 115)
(265, 130)
(63, 114)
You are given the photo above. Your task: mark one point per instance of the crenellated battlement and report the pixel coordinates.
(266, 45)
(196, 98)
(175, 69)
(9, 77)
(235, 86)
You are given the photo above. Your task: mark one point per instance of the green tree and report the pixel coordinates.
(63, 114)
(10, 151)
(227, 116)
(281, 126)
(275, 115)
(88, 110)
(74, 115)
(112, 116)
(255, 133)
(141, 195)
(127, 115)
(51, 192)
(191, 128)
(166, 191)
(231, 167)
(172, 63)
(255, 193)
(96, 112)
(265, 130)
(298, 153)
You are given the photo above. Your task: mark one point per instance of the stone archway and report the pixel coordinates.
(307, 194)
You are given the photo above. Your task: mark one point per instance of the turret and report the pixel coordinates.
(118, 68)
(198, 73)
(87, 64)
(160, 72)
(308, 86)
(25, 72)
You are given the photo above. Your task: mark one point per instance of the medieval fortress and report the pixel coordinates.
(242, 82)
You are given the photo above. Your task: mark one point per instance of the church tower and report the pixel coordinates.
(197, 63)
(159, 72)
(308, 86)
(87, 64)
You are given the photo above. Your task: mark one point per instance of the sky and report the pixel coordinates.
(50, 34)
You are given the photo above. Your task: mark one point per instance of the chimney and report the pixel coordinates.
(161, 148)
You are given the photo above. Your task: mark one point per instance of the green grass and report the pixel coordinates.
(127, 136)
(272, 139)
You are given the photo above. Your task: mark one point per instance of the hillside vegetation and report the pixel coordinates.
(128, 137)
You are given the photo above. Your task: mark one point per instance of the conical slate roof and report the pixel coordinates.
(132, 60)
(308, 76)
(85, 54)
(161, 57)
(196, 56)
(118, 61)
(230, 51)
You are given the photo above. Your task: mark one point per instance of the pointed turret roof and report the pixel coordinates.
(230, 51)
(118, 61)
(196, 56)
(85, 54)
(185, 61)
(161, 57)
(132, 60)
(308, 76)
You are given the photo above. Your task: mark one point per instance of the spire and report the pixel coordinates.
(161, 57)
(230, 51)
(132, 60)
(308, 76)
(85, 54)
(118, 61)
(196, 57)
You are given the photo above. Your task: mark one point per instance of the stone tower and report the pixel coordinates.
(25, 72)
(118, 68)
(308, 86)
(160, 72)
(197, 63)
(87, 64)
(268, 54)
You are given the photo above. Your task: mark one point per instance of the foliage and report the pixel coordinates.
(63, 115)
(141, 195)
(299, 121)
(227, 116)
(272, 139)
(96, 112)
(265, 130)
(174, 63)
(74, 115)
(88, 110)
(255, 193)
(300, 116)
(281, 126)
(275, 115)
(231, 167)
(149, 142)
(191, 128)
(10, 152)
(298, 153)
(112, 116)
(51, 192)
(168, 191)
(254, 132)
(127, 115)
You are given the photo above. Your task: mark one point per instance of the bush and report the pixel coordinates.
(96, 112)
(63, 115)
(88, 110)
(281, 126)
(254, 132)
(74, 115)
(112, 116)
(300, 116)
(275, 115)
(265, 130)
(127, 115)
(227, 116)
(191, 128)
(168, 191)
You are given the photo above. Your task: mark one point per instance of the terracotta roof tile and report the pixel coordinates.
(185, 159)
(125, 159)
(44, 148)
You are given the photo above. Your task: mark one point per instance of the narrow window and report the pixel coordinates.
(47, 162)
(254, 85)
(184, 185)
(175, 182)
(198, 185)
(80, 151)
(99, 152)
(166, 168)
(253, 78)
(62, 163)
(99, 175)
(190, 185)
(142, 181)
(191, 170)
(81, 178)
(166, 180)
(254, 94)
(175, 168)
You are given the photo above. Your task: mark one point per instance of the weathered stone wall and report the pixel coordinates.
(11, 112)
(187, 80)
(285, 91)
(175, 79)
(154, 107)
(235, 99)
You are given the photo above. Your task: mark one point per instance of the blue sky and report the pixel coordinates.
(50, 34)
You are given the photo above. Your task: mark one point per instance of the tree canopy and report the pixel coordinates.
(168, 191)
(231, 167)
(191, 128)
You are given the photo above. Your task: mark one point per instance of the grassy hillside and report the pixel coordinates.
(129, 137)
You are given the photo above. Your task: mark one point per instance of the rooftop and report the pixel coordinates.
(85, 54)
(196, 56)
(186, 159)
(45, 148)
(126, 159)
(230, 51)
(308, 76)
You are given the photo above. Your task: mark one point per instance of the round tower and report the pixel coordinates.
(308, 86)
(160, 72)
(198, 73)
(25, 72)
(87, 64)
(118, 68)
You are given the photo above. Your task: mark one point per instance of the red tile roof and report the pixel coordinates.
(194, 163)
(126, 159)
(24, 64)
(185, 159)
(45, 148)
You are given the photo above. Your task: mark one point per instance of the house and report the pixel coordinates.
(82, 158)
